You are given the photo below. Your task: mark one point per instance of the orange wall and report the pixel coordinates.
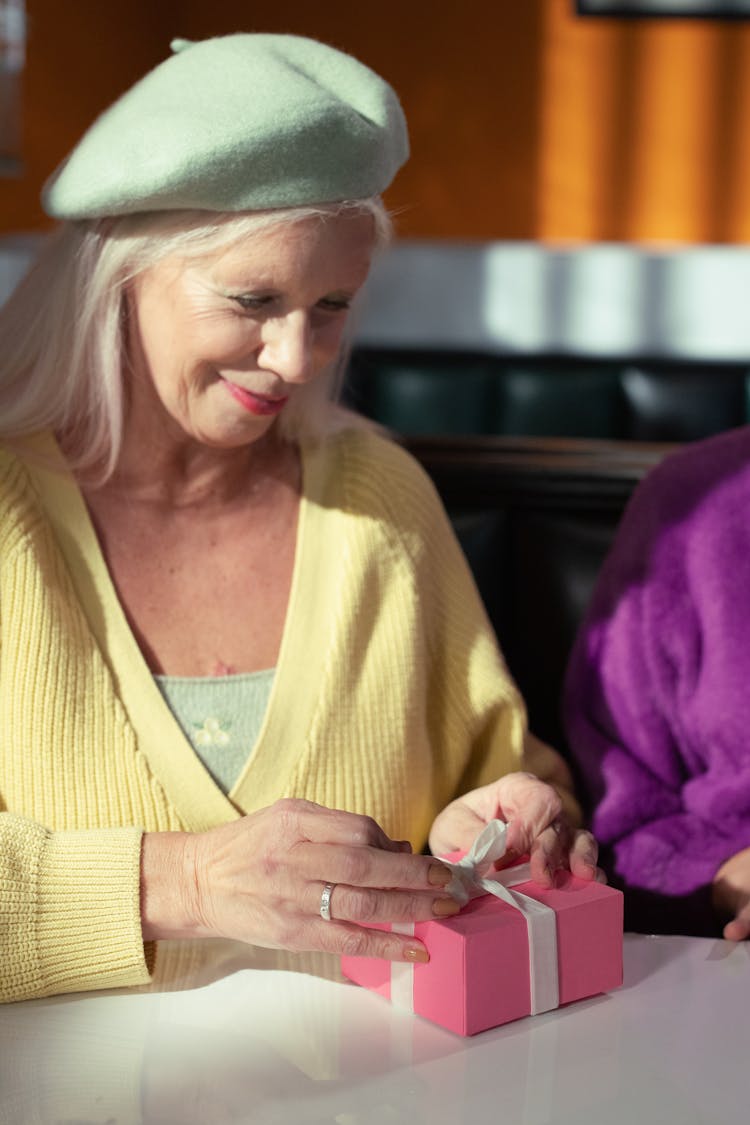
(468, 79)
(81, 55)
(645, 131)
(526, 121)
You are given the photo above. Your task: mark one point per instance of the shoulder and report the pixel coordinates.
(367, 463)
(364, 448)
(19, 510)
(23, 467)
(16, 489)
(697, 487)
(699, 470)
(372, 477)
(10, 466)
(685, 521)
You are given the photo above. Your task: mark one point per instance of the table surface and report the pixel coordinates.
(231, 1034)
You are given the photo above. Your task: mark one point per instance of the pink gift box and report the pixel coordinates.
(478, 974)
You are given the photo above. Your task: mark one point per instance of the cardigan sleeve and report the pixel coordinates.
(69, 910)
(69, 900)
(629, 705)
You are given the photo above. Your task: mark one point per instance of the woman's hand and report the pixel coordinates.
(537, 827)
(731, 895)
(261, 878)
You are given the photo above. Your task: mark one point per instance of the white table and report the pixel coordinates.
(227, 1035)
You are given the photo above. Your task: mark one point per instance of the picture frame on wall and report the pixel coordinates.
(678, 9)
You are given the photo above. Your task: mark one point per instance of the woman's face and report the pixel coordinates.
(220, 344)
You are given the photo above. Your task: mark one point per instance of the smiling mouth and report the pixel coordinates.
(256, 403)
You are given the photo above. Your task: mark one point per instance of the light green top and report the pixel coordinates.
(221, 716)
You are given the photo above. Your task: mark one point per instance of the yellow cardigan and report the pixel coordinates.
(390, 698)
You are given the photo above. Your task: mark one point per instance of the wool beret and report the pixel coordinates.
(237, 123)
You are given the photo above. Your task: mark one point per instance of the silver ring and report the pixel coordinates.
(325, 902)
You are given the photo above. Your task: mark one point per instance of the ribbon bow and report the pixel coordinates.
(470, 880)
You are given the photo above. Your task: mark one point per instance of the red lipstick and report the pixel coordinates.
(255, 403)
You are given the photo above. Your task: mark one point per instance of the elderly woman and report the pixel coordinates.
(244, 667)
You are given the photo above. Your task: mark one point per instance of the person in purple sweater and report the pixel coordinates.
(657, 690)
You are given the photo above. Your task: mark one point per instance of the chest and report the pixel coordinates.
(204, 595)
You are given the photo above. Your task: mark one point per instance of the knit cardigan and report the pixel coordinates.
(390, 699)
(658, 686)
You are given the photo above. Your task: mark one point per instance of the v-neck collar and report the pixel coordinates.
(197, 798)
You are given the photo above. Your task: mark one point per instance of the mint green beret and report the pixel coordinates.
(237, 123)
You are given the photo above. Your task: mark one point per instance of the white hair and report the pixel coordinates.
(63, 359)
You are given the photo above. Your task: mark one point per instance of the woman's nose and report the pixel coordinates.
(287, 347)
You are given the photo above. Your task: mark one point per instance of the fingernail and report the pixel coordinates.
(420, 955)
(442, 907)
(590, 859)
(438, 875)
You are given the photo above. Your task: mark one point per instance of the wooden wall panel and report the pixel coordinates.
(468, 78)
(645, 131)
(81, 55)
(526, 121)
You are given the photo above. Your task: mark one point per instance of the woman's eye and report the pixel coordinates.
(335, 304)
(250, 303)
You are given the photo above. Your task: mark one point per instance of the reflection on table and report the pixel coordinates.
(230, 1033)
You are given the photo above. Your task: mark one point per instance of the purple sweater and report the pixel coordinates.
(659, 681)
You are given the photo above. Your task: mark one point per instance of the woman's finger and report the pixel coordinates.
(530, 806)
(348, 940)
(560, 846)
(364, 867)
(549, 851)
(739, 928)
(304, 820)
(457, 828)
(365, 906)
(583, 855)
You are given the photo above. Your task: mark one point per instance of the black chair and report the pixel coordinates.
(535, 518)
(424, 392)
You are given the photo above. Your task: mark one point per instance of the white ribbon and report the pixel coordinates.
(470, 880)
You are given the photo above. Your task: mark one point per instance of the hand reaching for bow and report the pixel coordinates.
(537, 827)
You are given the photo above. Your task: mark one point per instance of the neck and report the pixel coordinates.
(194, 476)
